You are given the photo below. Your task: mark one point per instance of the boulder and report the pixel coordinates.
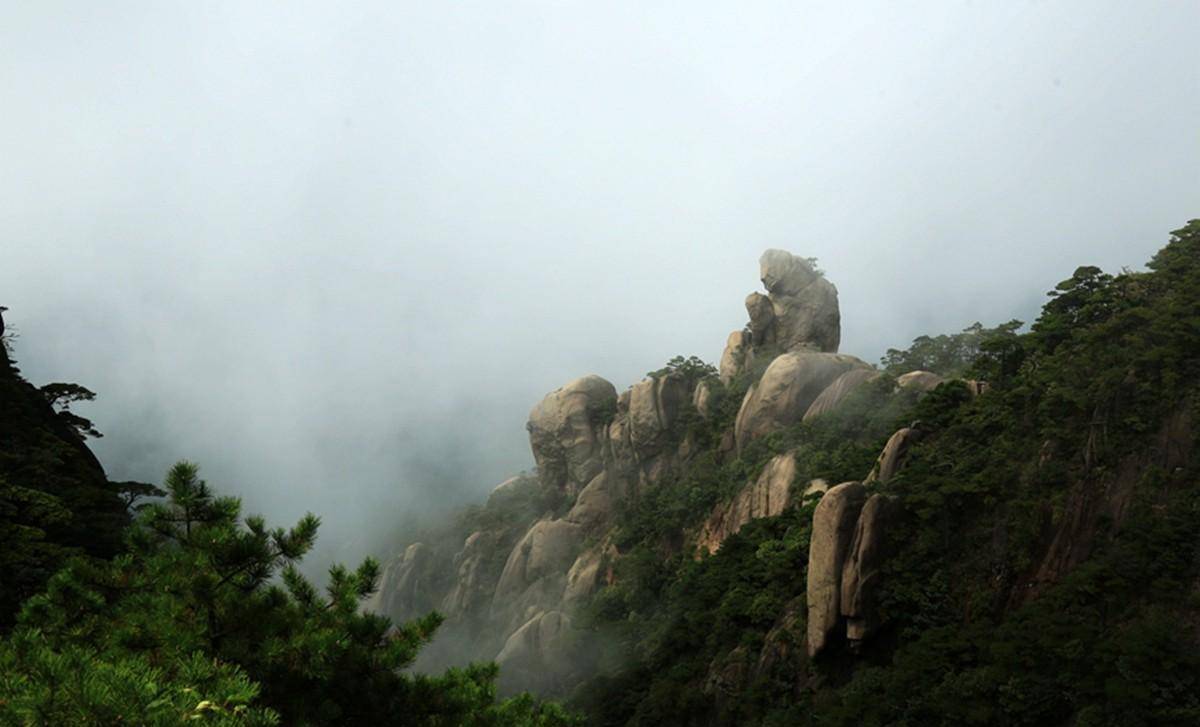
(410, 585)
(861, 571)
(893, 454)
(535, 640)
(587, 572)
(733, 359)
(547, 549)
(787, 389)
(512, 489)
(783, 273)
(814, 487)
(594, 506)
(833, 394)
(767, 496)
(654, 406)
(919, 380)
(538, 655)
(833, 527)
(474, 581)
(566, 432)
(804, 303)
(762, 319)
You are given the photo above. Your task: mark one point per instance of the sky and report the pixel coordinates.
(335, 252)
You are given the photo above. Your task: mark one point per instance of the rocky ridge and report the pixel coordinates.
(595, 448)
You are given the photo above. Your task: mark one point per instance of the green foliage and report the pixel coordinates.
(949, 355)
(42, 685)
(54, 498)
(206, 617)
(691, 369)
(28, 553)
(63, 395)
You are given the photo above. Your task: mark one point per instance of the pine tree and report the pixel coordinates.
(200, 585)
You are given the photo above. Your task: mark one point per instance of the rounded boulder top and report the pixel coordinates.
(783, 273)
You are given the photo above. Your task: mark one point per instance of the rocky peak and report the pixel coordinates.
(798, 313)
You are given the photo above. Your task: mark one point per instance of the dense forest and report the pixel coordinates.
(1032, 554)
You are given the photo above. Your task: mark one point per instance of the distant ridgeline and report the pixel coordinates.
(992, 527)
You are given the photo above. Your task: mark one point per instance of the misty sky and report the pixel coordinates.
(335, 252)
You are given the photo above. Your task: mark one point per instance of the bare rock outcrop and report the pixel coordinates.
(861, 572)
(833, 394)
(833, 528)
(410, 584)
(804, 303)
(762, 319)
(654, 406)
(814, 487)
(892, 457)
(474, 581)
(641, 442)
(546, 550)
(596, 502)
(767, 496)
(537, 655)
(798, 313)
(787, 389)
(511, 489)
(566, 432)
(734, 358)
(588, 572)
(703, 399)
(919, 380)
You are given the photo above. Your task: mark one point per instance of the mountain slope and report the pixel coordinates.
(1024, 551)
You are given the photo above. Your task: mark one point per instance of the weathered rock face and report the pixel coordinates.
(733, 360)
(893, 454)
(409, 585)
(804, 303)
(566, 432)
(548, 549)
(642, 444)
(512, 488)
(768, 496)
(703, 399)
(596, 502)
(920, 380)
(587, 572)
(861, 572)
(537, 654)
(762, 319)
(834, 522)
(654, 406)
(833, 394)
(815, 486)
(474, 582)
(787, 389)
